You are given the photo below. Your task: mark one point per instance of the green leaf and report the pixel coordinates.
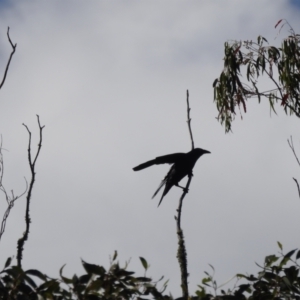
(30, 281)
(261, 274)
(7, 263)
(289, 254)
(75, 279)
(279, 245)
(215, 94)
(270, 259)
(165, 285)
(252, 278)
(271, 101)
(64, 279)
(257, 66)
(93, 269)
(286, 281)
(143, 279)
(37, 274)
(269, 276)
(215, 82)
(248, 71)
(84, 279)
(144, 263)
(263, 64)
(122, 273)
(115, 255)
(201, 294)
(243, 288)
(258, 39)
(206, 280)
(14, 271)
(291, 273)
(278, 23)
(49, 286)
(95, 285)
(256, 90)
(284, 261)
(298, 254)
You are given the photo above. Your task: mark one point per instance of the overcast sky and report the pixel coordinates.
(108, 80)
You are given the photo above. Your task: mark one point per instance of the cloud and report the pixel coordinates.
(109, 80)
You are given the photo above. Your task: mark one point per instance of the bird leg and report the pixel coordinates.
(183, 188)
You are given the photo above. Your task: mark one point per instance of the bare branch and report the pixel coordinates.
(24, 238)
(189, 118)
(291, 144)
(10, 57)
(181, 252)
(9, 199)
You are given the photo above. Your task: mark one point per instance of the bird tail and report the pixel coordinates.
(159, 187)
(161, 199)
(144, 165)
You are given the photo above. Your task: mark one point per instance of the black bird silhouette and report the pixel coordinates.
(183, 164)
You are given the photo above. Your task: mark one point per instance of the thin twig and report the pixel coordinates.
(181, 253)
(10, 57)
(24, 238)
(9, 199)
(189, 118)
(291, 144)
(10, 202)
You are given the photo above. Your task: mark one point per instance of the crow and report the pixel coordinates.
(183, 164)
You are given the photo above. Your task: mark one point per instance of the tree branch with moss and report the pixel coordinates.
(32, 163)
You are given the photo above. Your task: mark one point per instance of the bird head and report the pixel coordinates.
(199, 152)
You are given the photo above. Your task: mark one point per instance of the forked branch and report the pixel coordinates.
(14, 46)
(32, 162)
(189, 118)
(10, 198)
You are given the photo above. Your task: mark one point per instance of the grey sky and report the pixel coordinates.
(109, 81)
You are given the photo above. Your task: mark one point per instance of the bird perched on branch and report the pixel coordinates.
(183, 164)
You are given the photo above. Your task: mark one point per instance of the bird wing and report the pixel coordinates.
(166, 159)
(144, 165)
(169, 159)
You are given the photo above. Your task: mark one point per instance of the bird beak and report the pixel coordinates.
(205, 151)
